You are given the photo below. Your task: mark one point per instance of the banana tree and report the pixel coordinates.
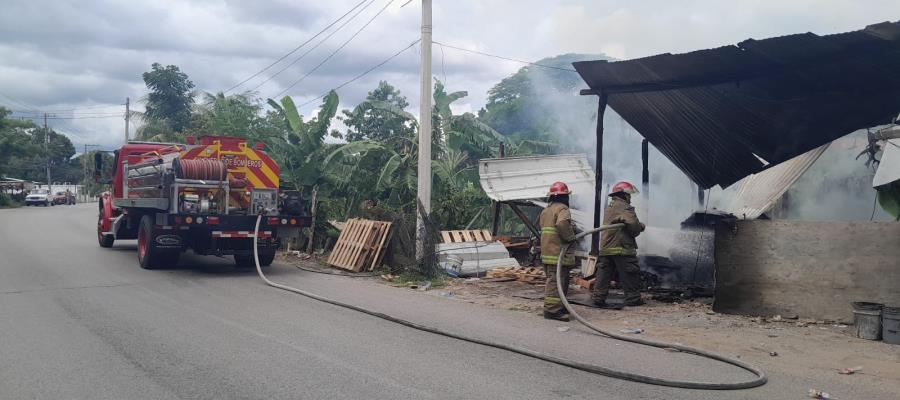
(301, 155)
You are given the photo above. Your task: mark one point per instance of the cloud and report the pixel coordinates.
(57, 55)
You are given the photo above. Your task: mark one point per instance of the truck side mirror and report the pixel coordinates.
(98, 166)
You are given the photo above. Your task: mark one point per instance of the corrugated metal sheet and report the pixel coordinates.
(715, 113)
(759, 192)
(889, 167)
(529, 178)
(523, 178)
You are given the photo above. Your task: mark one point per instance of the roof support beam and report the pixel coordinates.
(598, 173)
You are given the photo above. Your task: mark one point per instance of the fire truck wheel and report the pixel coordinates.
(149, 256)
(104, 240)
(265, 260)
(246, 261)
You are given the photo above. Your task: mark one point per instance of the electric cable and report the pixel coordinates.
(596, 369)
(760, 375)
(316, 46)
(364, 73)
(502, 58)
(341, 47)
(296, 48)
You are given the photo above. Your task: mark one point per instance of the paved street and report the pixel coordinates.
(78, 321)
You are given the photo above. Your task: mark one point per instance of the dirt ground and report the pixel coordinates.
(802, 347)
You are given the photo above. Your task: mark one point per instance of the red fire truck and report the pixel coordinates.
(204, 195)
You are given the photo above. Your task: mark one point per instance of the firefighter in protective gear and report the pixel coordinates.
(618, 248)
(556, 229)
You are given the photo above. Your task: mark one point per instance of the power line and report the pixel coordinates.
(503, 58)
(366, 72)
(325, 39)
(336, 50)
(295, 48)
(73, 113)
(23, 104)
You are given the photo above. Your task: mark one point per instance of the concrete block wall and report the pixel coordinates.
(811, 269)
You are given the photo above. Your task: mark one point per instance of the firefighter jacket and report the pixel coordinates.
(620, 242)
(556, 229)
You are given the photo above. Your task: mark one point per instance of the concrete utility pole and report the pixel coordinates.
(424, 171)
(127, 116)
(47, 149)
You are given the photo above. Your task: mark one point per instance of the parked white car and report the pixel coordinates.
(39, 198)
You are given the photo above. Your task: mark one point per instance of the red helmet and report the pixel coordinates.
(558, 188)
(624, 186)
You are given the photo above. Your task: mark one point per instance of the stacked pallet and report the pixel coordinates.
(532, 275)
(477, 235)
(361, 244)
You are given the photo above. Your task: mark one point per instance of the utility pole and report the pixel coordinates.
(47, 149)
(85, 162)
(424, 171)
(127, 116)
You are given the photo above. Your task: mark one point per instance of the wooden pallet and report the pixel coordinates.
(533, 275)
(477, 235)
(360, 245)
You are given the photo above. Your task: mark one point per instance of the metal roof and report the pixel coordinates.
(722, 114)
(759, 192)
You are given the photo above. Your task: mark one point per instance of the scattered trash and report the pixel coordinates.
(447, 294)
(632, 330)
(777, 318)
(773, 353)
(758, 320)
(563, 329)
(850, 371)
(413, 285)
(472, 280)
(296, 253)
(389, 277)
(424, 286)
(841, 326)
(710, 312)
(818, 394)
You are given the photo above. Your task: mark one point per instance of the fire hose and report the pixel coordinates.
(596, 369)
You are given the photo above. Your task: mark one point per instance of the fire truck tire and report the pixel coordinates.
(246, 261)
(265, 259)
(104, 240)
(149, 256)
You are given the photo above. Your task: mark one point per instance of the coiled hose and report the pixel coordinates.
(531, 353)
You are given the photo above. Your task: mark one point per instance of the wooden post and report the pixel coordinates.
(598, 178)
(312, 225)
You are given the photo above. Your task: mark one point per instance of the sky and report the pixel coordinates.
(88, 56)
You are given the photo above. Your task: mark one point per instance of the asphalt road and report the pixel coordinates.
(81, 322)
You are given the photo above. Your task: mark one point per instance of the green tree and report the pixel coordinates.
(170, 98)
(235, 115)
(14, 141)
(301, 156)
(367, 121)
(521, 105)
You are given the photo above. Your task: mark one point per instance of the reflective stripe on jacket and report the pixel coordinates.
(556, 229)
(620, 242)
